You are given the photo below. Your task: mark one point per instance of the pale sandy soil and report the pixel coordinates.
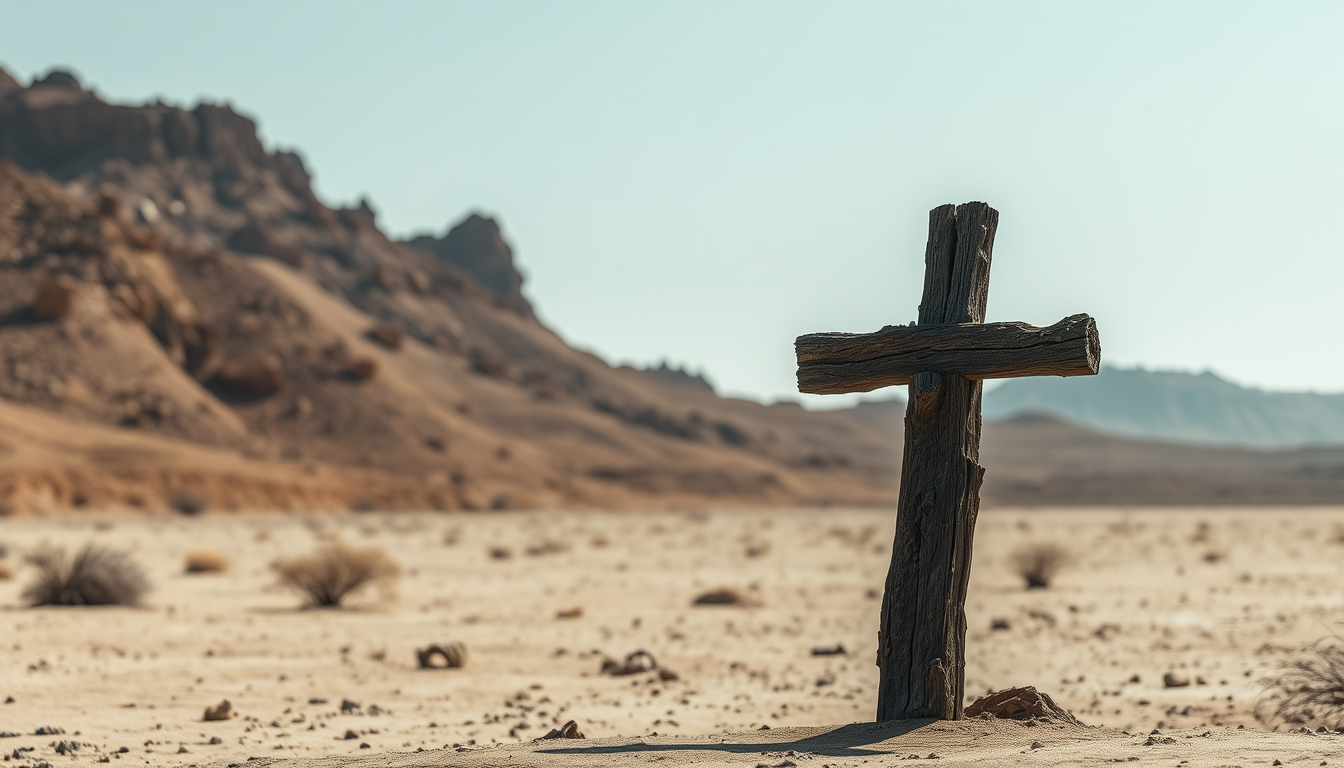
(1217, 595)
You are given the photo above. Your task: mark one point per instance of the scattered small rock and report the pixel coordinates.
(348, 706)
(221, 711)
(548, 547)
(215, 740)
(636, 663)
(48, 730)
(829, 650)
(66, 747)
(1173, 680)
(454, 656)
(569, 613)
(724, 596)
(350, 735)
(317, 700)
(999, 625)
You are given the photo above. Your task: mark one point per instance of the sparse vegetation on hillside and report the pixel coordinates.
(335, 571)
(96, 575)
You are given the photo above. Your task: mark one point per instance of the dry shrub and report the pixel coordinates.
(206, 561)
(1038, 563)
(95, 576)
(1308, 691)
(335, 571)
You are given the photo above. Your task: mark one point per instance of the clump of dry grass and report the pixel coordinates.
(1308, 691)
(335, 571)
(1039, 562)
(96, 575)
(205, 561)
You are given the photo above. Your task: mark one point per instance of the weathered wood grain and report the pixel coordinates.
(834, 363)
(921, 654)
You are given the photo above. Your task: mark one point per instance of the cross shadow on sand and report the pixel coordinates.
(843, 741)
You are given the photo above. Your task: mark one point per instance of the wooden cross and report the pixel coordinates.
(922, 637)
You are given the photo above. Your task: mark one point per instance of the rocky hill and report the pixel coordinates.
(162, 273)
(1183, 407)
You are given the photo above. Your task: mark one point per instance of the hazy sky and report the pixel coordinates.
(705, 181)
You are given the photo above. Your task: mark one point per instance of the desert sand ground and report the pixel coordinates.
(1214, 595)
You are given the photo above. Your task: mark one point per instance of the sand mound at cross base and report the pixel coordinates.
(965, 742)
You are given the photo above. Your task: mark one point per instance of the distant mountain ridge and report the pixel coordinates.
(1181, 407)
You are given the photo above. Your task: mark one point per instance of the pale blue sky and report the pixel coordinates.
(703, 181)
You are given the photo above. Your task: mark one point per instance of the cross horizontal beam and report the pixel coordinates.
(836, 363)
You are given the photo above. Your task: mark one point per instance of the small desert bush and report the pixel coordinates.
(96, 575)
(1307, 691)
(1038, 563)
(336, 571)
(205, 561)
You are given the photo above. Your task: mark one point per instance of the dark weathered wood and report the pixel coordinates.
(922, 636)
(834, 363)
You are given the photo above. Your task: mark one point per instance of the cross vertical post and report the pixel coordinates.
(943, 358)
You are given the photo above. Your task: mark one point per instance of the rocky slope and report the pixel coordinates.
(162, 272)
